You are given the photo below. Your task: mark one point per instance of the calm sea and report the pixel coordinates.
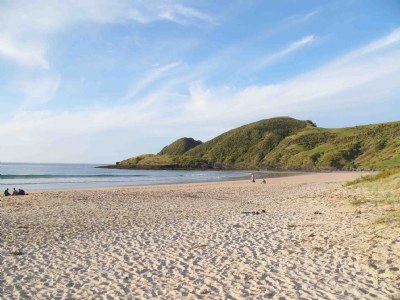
(32, 176)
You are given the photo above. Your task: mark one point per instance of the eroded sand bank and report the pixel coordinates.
(191, 241)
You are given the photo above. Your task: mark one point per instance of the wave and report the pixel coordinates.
(48, 176)
(49, 183)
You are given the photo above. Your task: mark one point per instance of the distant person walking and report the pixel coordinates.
(252, 178)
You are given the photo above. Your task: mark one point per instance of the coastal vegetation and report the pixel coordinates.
(384, 190)
(180, 146)
(165, 161)
(283, 143)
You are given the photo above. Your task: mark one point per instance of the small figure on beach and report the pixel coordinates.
(263, 181)
(6, 193)
(15, 192)
(252, 177)
(21, 192)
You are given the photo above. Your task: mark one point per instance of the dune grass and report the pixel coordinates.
(385, 190)
(374, 177)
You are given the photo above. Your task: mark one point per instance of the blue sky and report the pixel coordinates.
(100, 81)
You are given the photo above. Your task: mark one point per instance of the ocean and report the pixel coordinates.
(39, 177)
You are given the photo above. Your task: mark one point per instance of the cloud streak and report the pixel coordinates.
(47, 17)
(40, 90)
(334, 83)
(390, 40)
(26, 27)
(293, 47)
(26, 54)
(309, 15)
(153, 76)
(206, 110)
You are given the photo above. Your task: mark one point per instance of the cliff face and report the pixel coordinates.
(283, 143)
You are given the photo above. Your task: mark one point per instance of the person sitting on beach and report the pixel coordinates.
(6, 193)
(15, 192)
(21, 192)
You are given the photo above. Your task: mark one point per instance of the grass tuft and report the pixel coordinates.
(384, 188)
(357, 202)
(374, 177)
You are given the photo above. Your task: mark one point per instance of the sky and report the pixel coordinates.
(98, 81)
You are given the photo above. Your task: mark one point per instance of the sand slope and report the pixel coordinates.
(191, 242)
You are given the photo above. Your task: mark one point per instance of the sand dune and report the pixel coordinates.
(192, 242)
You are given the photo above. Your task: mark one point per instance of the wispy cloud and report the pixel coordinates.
(207, 111)
(184, 15)
(332, 84)
(154, 75)
(26, 26)
(40, 90)
(309, 15)
(24, 53)
(302, 18)
(293, 47)
(47, 16)
(393, 39)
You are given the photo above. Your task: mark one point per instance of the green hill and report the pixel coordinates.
(180, 146)
(166, 161)
(247, 145)
(361, 147)
(284, 143)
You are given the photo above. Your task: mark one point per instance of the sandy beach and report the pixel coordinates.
(191, 241)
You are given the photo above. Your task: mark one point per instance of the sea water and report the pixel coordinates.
(35, 176)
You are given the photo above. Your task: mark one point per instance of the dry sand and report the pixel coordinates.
(191, 242)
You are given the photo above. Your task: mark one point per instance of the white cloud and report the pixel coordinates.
(182, 14)
(298, 19)
(29, 54)
(32, 21)
(352, 80)
(293, 47)
(153, 76)
(390, 40)
(340, 77)
(46, 16)
(27, 25)
(309, 15)
(40, 90)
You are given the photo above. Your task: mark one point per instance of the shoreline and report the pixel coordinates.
(192, 241)
(231, 179)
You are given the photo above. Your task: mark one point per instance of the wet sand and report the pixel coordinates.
(191, 241)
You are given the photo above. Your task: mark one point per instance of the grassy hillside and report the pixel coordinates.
(284, 143)
(247, 145)
(370, 147)
(180, 146)
(151, 161)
